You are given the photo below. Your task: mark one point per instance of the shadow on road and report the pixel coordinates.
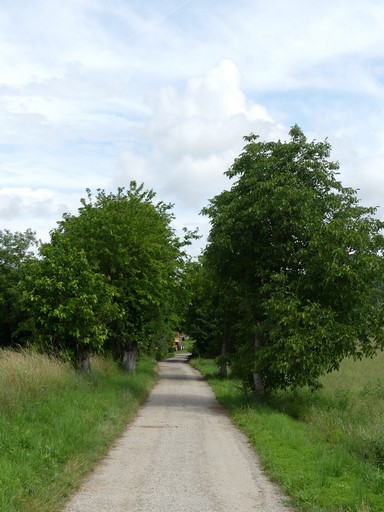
(177, 358)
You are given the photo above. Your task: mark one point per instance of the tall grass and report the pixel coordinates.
(56, 423)
(348, 411)
(324, 448)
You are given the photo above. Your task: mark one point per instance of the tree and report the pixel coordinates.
(211, 315)
(16, 251)
(303, 258)
(128, 238)
(201, 318)
(69, 303)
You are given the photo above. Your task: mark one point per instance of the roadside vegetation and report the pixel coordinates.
(326, 447)
(291, 280)
(289, 287)
(287, 310)
(109, 281)
(56, 423)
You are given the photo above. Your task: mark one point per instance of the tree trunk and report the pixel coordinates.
(257, 378)
(224, 349)
(130, 357)
(83, 358)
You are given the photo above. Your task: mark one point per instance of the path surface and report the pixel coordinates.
(181, 454)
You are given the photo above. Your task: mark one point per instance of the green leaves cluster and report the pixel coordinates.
(294, 259)
(109, 279)
(290, 282)
(16, 252)
(70, 302)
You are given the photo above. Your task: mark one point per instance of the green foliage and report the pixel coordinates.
(296, 260)
(212, 317)
(69, 302)
(201, 322)
(127, 238)
(15, 254)
(56, 424)
(111, 278)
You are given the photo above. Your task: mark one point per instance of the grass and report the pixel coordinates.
(325, 449)
(56, 423)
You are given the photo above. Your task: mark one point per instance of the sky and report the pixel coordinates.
(94, 94)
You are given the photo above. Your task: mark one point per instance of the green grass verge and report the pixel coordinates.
(325, 449)
(55, 424)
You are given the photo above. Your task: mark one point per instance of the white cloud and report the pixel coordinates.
(38, 209)
(193, 137)
(366, 175)
(94, 94)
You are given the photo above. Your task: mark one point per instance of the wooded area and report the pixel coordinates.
(289, 284)
(109, 280)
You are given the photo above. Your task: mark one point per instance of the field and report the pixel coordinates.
(56, 423)
(325, 448)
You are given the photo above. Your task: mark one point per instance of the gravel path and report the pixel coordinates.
(181, 453)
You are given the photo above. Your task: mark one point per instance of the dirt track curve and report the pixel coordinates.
(181, 453)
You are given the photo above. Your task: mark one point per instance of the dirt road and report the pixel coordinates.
(181, 453)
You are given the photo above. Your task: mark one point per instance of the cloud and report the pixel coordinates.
(94, 94)
(366, 176)
(194, 134)
(193, 137)
(180, 147)
(38, 209)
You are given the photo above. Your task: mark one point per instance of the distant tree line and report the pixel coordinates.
(110, 280)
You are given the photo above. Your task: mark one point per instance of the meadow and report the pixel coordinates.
(56, 423)
(324, 448)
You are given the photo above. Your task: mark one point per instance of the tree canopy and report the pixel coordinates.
(289, 284)
(300, 258)
(70, 304)
(16, 251)
(110, 277)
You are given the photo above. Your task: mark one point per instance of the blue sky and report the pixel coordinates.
(94, 94)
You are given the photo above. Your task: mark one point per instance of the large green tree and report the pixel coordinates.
(69, 303)
(301, 259)
(128, 238)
